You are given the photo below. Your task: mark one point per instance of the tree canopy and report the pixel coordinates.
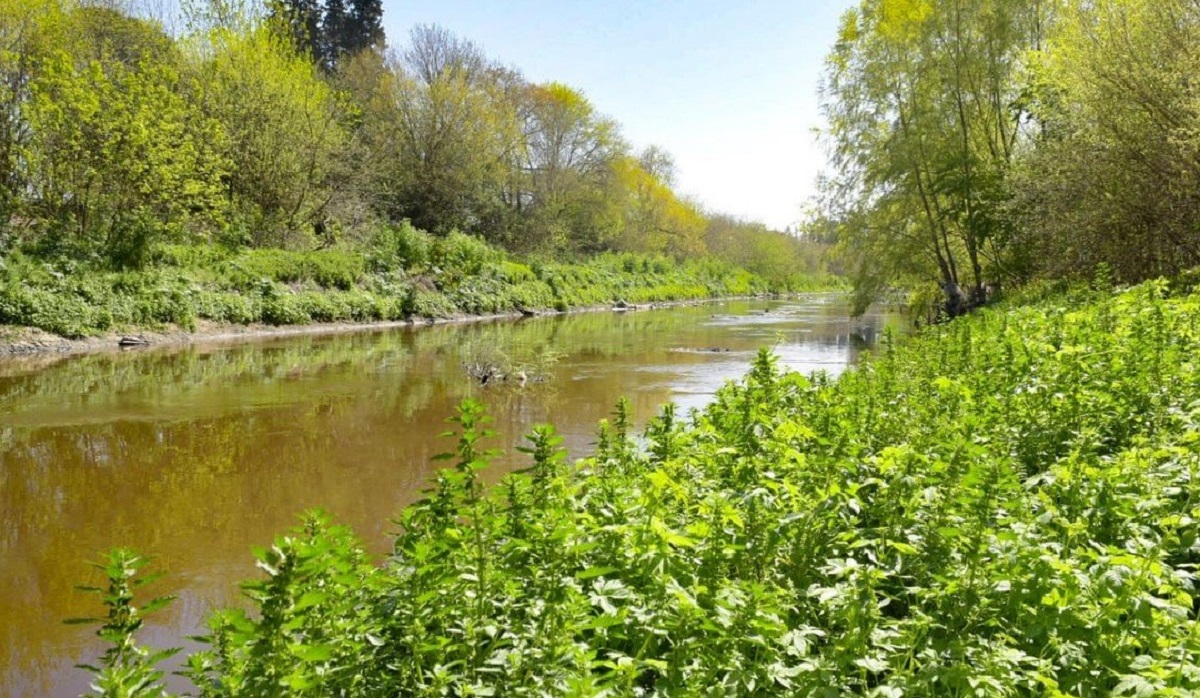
(987, 141)
(293, 124)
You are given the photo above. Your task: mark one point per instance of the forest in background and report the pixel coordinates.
(985, 142)
(295, 125)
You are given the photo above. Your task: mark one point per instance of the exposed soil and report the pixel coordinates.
(28, 341)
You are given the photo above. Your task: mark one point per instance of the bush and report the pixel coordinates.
(463, 255)
(412, 247)
(233, 308)
(428, 304)
(279, 307)
(332, 269)
(288, 287)
(190, 256)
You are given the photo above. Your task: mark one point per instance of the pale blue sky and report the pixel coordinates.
(729, 88)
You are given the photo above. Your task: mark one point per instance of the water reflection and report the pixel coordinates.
(195, 454)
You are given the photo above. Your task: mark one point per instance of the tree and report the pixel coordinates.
(435, 52)
(366, 22)
(654, 218)
(1114, 177)
(284, 130)
(101, 151)
(773, 255)
(331, 32)
(569, 151)
(110, 35)
(659, 163)
(450, 129)
(30, 31)
(919, 96)
(335, 31)
(302, 21)
(118, 159)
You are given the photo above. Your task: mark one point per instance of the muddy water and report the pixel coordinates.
(195, 454)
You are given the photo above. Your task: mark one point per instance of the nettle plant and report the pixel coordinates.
(1006, 505)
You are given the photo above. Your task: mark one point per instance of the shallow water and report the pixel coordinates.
(195, 454)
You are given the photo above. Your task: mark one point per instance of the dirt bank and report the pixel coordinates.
(30, 342)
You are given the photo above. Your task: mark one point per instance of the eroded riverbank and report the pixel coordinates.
(33, 342)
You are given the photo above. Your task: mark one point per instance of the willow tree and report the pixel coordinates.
(924, 115)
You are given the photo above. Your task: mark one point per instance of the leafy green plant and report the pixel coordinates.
(1003, 505)
(127, 669)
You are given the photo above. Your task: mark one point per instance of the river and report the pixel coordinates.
(195, 454)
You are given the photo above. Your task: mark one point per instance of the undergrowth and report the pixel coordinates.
(401, 274)
(1006, 505)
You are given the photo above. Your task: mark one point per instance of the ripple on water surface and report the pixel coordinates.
(196, 454)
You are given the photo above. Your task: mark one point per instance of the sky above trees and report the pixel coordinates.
(730, 89)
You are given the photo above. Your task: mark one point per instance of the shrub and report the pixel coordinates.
(326, 268)
(462, 254)
(234, 308)
(430, 305)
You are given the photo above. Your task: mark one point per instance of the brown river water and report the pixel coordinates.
(195, 454)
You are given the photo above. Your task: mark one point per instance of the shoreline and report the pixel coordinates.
(18, 343)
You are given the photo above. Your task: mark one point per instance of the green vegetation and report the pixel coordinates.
(402, 274)
(150, 177)
(994, 141)
(1004, 505)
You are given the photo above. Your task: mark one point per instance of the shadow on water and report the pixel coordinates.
(195, 454)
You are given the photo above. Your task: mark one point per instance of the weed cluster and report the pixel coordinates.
(403, 273)
(1005, 505)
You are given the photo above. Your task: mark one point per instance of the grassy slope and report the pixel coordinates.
(1006, 505)
(410, 276)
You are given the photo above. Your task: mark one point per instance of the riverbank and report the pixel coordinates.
(27, 342)
(1005, 501)
(187, 292)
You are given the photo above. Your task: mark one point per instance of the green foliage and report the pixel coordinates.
(462, 253)
(219, 174)
(330, 269)
(329, 31)
(72, 301)
(1106, 180)
(280, 125)
(312, 636)
(116, 160)
(924, 104)
(127, 669)
(1000, 506)
(785, 261)
(401, 246)
(1002, 141)
(459, 275)
(570, 152)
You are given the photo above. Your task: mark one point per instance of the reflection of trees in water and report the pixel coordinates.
(197, 453)
(92, 382)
